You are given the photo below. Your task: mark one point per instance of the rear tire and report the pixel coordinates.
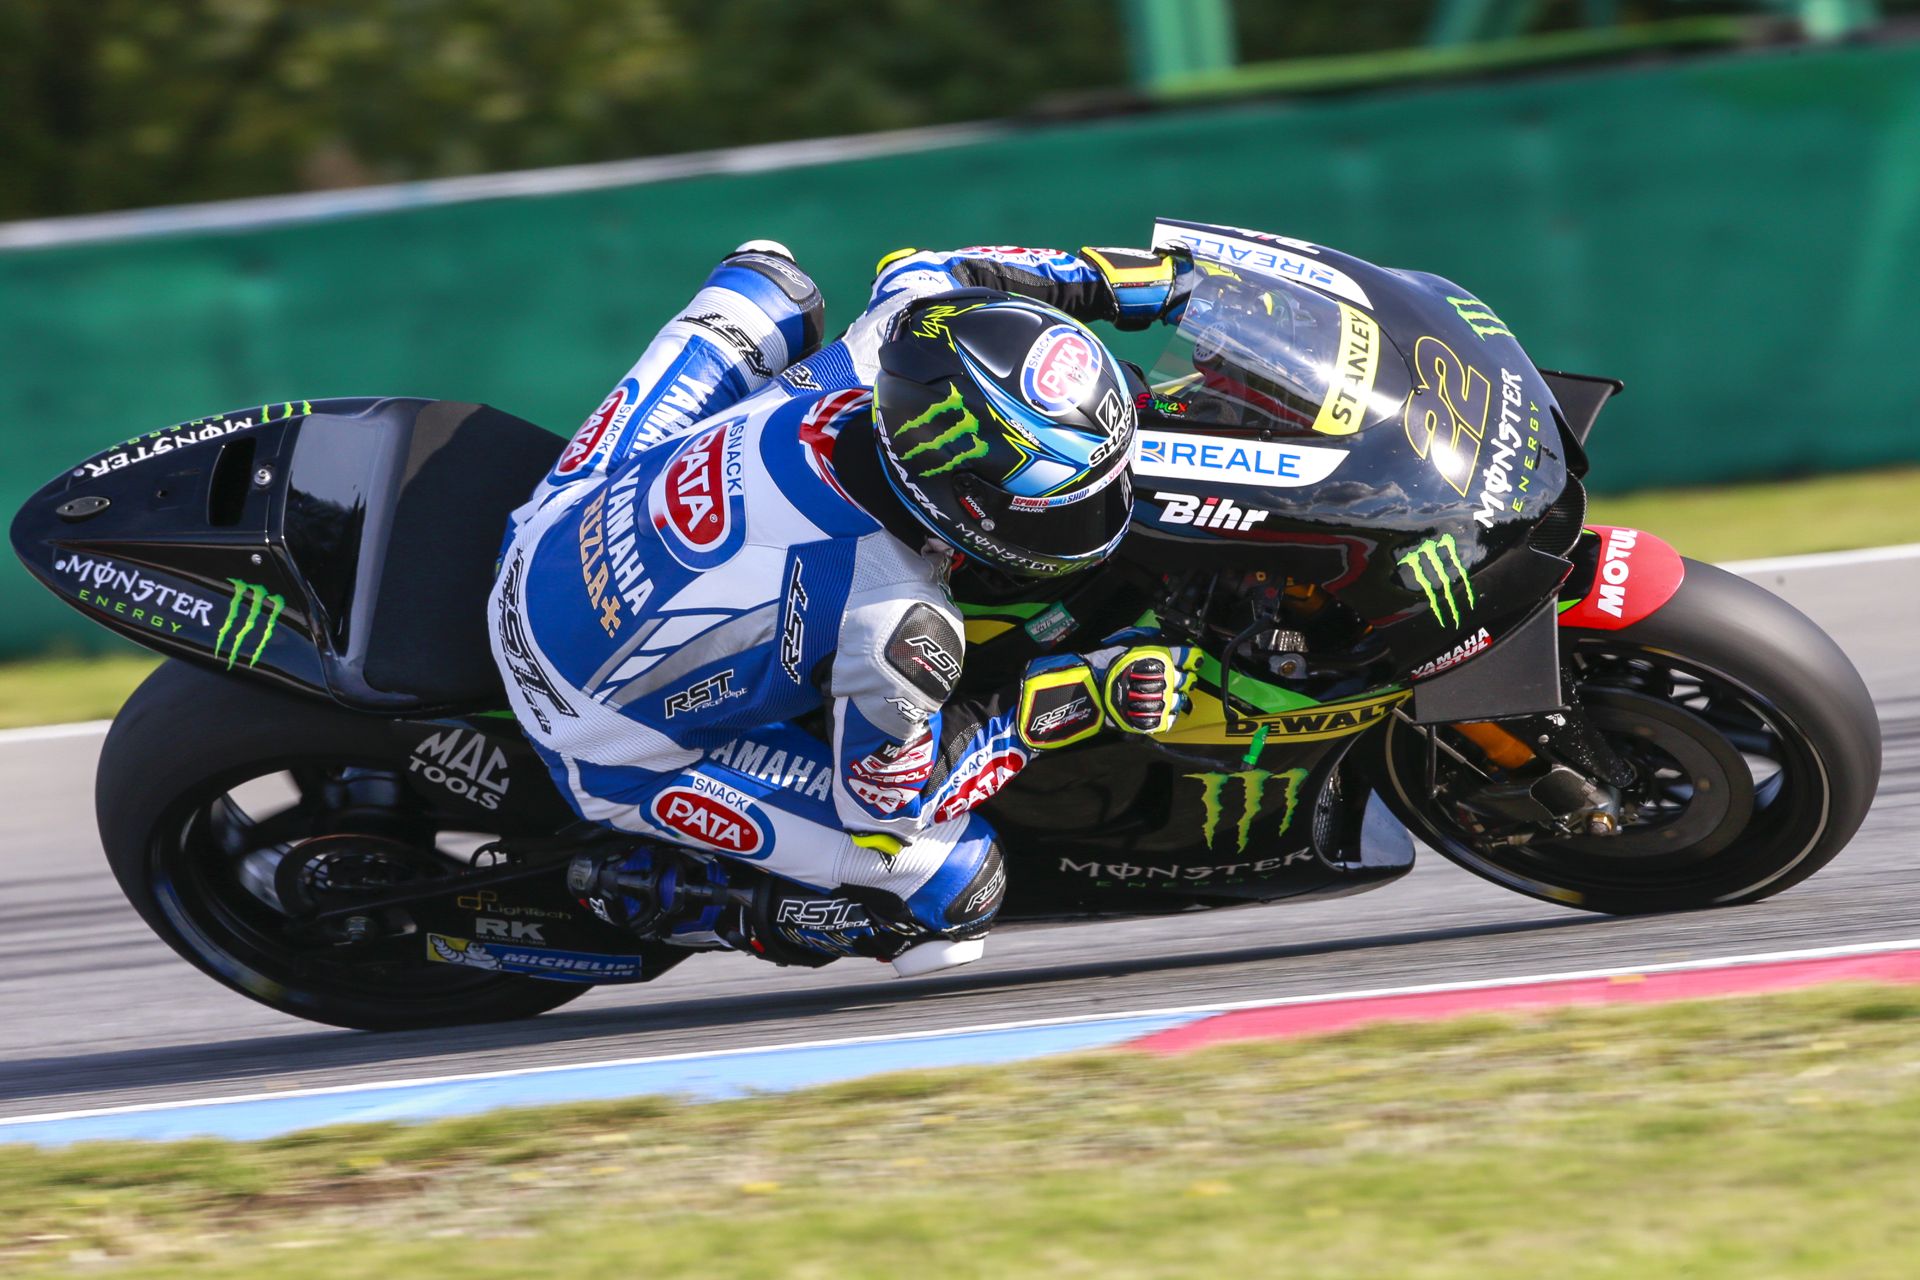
(1742, 677)
(184, 740)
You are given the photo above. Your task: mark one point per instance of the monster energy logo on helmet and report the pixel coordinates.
(1253, 786)
(1427, 556)
(257, 601)
(964, 427)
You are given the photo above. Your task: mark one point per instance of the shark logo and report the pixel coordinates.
(965, 427)
(257, 601)
(1253, 787)
(1427, 555)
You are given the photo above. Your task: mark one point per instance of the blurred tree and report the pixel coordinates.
(116, 103)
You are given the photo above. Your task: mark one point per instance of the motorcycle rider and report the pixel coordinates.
(753, 527)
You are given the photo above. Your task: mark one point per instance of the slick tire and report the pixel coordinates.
(185, 738)
(1727, 671)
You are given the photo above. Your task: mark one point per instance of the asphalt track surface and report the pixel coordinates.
(96, 1012)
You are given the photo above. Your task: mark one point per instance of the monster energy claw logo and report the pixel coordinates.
(1253, 786)
(964, 427)
(1428, 554)
(1484, 323)
(256, 599)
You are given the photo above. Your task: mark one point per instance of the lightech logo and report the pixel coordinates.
(698, 501)
(1427, 557)
(1263, 462)
(1253, 789)
(255, 600)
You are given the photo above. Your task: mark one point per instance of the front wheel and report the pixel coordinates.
(205, 783)
(1753, 741)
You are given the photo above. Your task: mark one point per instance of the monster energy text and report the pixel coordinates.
(256, 601)
(1427, 556)
(964, 427)
(1253, 786)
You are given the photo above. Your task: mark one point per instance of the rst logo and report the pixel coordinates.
(993, 773)
(608, 418)
(713, 816)
(698, 501)
(465, 763)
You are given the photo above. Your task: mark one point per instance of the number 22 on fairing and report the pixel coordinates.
(1468, 397)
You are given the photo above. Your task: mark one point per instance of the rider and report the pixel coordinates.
(752, 528)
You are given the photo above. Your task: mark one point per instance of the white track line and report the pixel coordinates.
(49, 732)
(1482, 984)
(1823, 559)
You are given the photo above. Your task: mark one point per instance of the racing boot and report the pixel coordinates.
(659, 892)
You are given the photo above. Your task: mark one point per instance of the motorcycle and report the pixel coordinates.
(1355, 493)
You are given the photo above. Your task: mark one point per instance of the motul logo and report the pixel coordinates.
(1614, 570)
(705, 820)
(983, 786)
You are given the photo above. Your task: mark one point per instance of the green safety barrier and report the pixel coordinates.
(1736, 237)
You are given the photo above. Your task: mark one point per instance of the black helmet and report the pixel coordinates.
(1006, 428)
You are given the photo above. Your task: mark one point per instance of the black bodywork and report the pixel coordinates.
(344, 549)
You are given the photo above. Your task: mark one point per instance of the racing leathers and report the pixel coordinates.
(695, 575)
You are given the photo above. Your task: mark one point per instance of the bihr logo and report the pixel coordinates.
(698, 501)
(713, 817)
(1060, 367)
(610, 416)
(465, 763)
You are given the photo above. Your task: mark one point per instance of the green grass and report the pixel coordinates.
(1775, 1136)
(1743, 522)
(56, 690)
(1828, 513)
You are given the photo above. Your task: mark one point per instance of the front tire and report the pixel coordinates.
(1755, 740)
(188, 855)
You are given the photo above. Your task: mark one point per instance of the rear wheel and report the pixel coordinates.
(206, 783)
(1754, 745)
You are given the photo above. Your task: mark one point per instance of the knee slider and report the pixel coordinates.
(799, 288)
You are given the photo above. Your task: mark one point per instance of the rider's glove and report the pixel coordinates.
(1135, 687)
(1143, 686)
(1147, 285)
(1059, 702)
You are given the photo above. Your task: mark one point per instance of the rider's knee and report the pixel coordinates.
(962, 898)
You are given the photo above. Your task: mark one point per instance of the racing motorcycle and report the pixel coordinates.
(1355, 492)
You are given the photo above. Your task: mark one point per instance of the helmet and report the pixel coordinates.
(1006, 427)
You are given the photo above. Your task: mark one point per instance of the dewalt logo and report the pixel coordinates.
(1429, 568)
(964, 427)
(1253, 789)
(255, 600)
(1334, 720)
(1480, 318)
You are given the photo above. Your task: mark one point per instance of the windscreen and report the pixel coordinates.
(1258, 352)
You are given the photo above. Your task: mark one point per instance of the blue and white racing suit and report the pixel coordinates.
(691, 578)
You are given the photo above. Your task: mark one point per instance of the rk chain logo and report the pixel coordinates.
(1427, 556)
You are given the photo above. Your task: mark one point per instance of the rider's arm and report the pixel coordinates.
(1132, 288)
